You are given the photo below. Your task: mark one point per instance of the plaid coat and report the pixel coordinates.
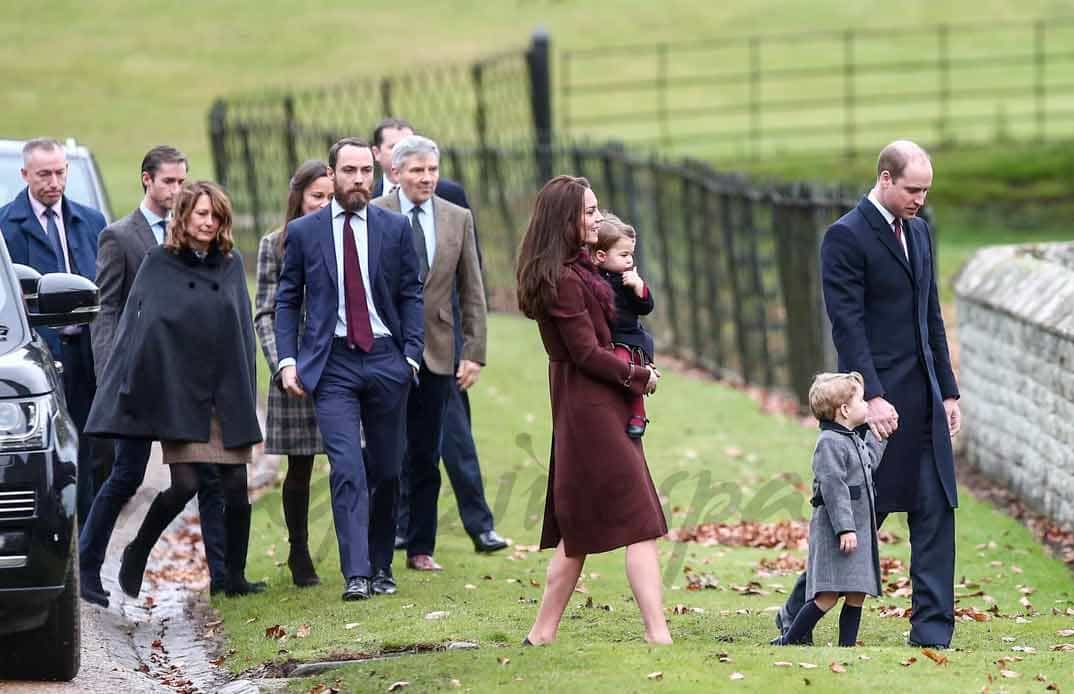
(291, 424)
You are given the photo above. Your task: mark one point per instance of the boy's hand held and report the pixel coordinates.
(848, 542)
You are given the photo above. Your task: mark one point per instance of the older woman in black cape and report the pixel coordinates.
(186, 375)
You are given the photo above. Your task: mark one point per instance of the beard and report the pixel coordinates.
(354, 199)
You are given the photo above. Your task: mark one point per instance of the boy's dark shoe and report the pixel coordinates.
(357, 588)
(636, 427)
(383, 582)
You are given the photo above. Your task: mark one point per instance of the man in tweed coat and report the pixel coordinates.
(443, 236)
(121, 248)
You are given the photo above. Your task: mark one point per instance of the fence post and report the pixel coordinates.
(537, 60)
(564, 93)
(662, 93)
(944, 65)
(218, 140)
(1040, 61)
(848, 93)
(477, 75)
(251, 179)
(755, 97)
(386, 97)
(798, 259)
(289, 133)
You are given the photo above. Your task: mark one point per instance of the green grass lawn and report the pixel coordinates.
(714, 457)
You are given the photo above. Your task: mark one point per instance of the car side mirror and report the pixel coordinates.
(64, 299)
(28, 279)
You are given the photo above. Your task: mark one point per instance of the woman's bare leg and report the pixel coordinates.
(643, 572)
(560, 582)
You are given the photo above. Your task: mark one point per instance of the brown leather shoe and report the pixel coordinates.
(422, 562)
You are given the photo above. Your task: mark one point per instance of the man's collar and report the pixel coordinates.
(39, 207)
(150, 216)
(386, 184)
(337, 210)
(888, 217)
(405, 205)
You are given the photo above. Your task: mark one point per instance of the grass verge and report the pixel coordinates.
(714, 457)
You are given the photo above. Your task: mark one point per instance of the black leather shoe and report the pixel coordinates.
(90, 588)
(400, 542)
(357, 589)
(489, 541)
(132, 569)
(383, 582)
(245, 587)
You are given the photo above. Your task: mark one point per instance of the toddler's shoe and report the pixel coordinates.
(636, 427)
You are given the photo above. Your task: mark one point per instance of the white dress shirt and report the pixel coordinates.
(427, 219)
(157, 224)
(890, 219)
(386, 185)
(39, 212)
(361, 240)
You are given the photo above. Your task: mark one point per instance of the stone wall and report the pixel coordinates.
(1016, 376)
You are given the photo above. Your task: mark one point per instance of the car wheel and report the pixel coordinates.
(52, 651)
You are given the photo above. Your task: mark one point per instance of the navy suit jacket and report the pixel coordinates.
(886, 324)
(309, 270)
(29, 245)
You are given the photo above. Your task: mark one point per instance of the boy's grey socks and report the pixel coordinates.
(849, 621)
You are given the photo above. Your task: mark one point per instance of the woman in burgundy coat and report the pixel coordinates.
(600, 494)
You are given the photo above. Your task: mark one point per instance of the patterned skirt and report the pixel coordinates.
(291, 425)
(211, 451)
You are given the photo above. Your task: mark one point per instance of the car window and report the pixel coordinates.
(11, 305)
(79, 182)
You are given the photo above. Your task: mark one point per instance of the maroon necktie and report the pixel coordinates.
(359, 331)
(898, 234)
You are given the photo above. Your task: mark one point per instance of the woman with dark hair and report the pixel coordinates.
(187, 377)
(291, 424)
(600, 494)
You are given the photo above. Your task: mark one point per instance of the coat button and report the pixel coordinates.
(216, 286)
(191, 285)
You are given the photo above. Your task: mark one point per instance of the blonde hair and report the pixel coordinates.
(830, 391)
(611, 230)
(178, 233)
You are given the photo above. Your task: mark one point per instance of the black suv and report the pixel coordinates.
(39, 611)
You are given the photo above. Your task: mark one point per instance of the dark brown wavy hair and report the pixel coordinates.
(304, 177)
(178, 233)
(554, 236)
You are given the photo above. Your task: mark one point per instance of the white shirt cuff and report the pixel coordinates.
(288, 361)
(413, 364)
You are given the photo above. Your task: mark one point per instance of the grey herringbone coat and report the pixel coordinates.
(843, 467)
(290, 424)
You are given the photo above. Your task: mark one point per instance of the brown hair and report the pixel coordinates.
(392, 123)
(611, 231)
(553, 237)
(304, 177)
(178, 234)
(161, 154)
(830, 391)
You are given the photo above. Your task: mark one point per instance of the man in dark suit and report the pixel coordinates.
(457, 447)
(50, 233)
(355, 266)
(121, 248)
(878, 272)
(443, 237)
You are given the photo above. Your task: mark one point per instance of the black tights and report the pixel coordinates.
(296, 497)
(185, 482)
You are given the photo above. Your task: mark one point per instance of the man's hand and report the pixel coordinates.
(291, 384)
(848, 542)
(632, 279)
(654, 376)
(954, 415)
(882, 418)
(467, 373)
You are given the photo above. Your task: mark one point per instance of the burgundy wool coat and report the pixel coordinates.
(600, 494)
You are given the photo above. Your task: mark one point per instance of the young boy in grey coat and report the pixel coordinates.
(843, 554)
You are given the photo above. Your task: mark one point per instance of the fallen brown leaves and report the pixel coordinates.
(785, 534)
(935, 656)
(786, 563)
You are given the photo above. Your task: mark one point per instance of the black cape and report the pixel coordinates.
(184, 348)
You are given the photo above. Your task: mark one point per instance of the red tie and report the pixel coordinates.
(359, 331)
(898, 233)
